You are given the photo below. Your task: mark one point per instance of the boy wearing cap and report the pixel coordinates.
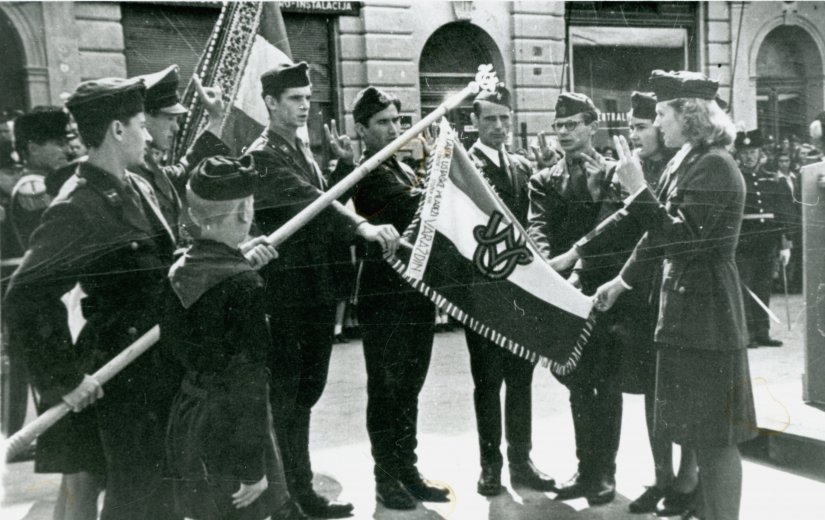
(397, 322)
(163, 110)
(220, 442)
(566, 202)
(301, 285)
(768, 204)
(491, 365)
(105, 234)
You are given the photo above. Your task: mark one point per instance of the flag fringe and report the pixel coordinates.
(561, 369)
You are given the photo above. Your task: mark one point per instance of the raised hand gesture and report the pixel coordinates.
(629, 168)
(341, 145)
(212, 99)
(545, 155)
(595, 169)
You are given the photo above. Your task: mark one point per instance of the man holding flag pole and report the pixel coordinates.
(300, 286)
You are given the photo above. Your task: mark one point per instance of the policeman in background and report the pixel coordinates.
(163, 110)
(491, 365)
(105, 233)
(301, 285)
(762, 237)
(566, 202)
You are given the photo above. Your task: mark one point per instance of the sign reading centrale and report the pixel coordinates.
(339, 8)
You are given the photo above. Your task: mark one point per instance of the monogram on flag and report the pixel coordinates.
(473, 259)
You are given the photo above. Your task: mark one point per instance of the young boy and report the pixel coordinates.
(220, 440)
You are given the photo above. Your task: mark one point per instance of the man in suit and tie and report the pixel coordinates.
(301, 286)
(491, 365)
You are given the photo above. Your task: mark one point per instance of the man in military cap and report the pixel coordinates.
(491, 365)
(300, 287)
(566, 202)
(397, 322)
(163, 110)
(768, 203)
(105, 233)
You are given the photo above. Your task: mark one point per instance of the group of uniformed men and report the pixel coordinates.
(109, 223)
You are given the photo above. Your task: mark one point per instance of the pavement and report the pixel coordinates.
(448, 449)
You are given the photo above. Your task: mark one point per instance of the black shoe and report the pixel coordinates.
(753, 345)
(601, 491)
(319, 506)
(290, 511)
(576, 487)
(425, 490)
(489, 483)
(647, 501)
(527, 474)
(676, 503)
(393, 495)
(767, 341)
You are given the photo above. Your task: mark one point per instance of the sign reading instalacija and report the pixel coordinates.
(474, 260)
(340, 8)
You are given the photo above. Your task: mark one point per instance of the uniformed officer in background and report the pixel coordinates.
(163, 110)
(491, 365)
(767, 202)
(105, 233)
(301, 285)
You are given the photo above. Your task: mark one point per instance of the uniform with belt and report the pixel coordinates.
(763, 228)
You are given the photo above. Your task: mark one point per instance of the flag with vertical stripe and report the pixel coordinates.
(474, 260)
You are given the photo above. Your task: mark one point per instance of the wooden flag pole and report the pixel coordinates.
(46, 420)
(484, 79)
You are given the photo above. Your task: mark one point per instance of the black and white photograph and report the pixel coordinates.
(412, 260)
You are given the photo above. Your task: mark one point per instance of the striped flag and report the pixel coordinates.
(474, 260)
(249, 38)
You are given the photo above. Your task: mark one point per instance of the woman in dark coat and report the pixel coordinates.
(703, 394)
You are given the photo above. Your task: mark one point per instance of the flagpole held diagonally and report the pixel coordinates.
(485, 79)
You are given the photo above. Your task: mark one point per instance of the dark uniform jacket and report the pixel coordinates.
(92, 234)
(289, 181)
(390, 194)
(768, 211)
(510, 181)
(219, 429)
(695, 227)
(169, 181)
(562, 211)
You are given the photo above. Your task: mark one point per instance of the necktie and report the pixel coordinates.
(505, 165)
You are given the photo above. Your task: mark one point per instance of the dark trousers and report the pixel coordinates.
(491, 366)
(132, 435)
(398, 341)
(596, 403)
(755, 262)
(302, 346)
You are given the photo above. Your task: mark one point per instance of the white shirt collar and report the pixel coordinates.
(489, 151)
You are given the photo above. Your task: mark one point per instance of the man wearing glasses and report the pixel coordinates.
(567, 200)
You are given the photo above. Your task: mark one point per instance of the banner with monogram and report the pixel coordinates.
(248, 39)
(474, 260)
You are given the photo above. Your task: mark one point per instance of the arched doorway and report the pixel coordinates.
(12, 73)
(788, 82)
(449, 61)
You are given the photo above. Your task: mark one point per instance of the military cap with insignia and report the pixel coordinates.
(682, 84)
(752, 139)
(224, 178)
(572, 103)
(500, 96)
(162, 91)
(643, 105)
(43, 123)
(282, 77)
(370, 101)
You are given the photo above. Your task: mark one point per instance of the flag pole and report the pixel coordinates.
(47, 419)
(485, 79)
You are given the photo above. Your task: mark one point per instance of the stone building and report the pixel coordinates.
(770, 53)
